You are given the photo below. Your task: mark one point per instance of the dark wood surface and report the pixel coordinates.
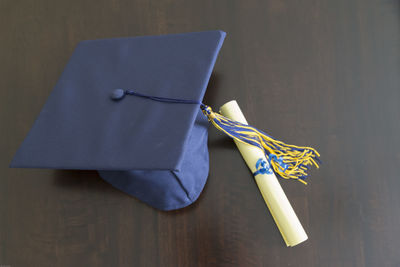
(320, 73)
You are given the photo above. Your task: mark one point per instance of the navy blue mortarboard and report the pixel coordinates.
(153, 145)
(154, 151)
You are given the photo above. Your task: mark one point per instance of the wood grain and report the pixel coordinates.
(321, 73)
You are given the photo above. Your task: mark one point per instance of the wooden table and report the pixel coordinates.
(319, 73)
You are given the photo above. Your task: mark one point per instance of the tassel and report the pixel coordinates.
(288, 161)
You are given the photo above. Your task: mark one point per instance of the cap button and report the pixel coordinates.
(117, 94)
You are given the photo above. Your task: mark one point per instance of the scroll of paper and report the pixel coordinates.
(276, 200)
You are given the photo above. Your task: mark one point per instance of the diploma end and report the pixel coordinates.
(228, 105)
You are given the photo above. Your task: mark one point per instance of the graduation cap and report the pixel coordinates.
(154, 144)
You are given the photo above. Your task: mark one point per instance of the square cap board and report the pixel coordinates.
(154, 151)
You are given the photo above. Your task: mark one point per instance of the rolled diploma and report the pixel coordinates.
(285, 218)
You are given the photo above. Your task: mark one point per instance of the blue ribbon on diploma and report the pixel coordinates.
(263, 167)
(278, 160)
